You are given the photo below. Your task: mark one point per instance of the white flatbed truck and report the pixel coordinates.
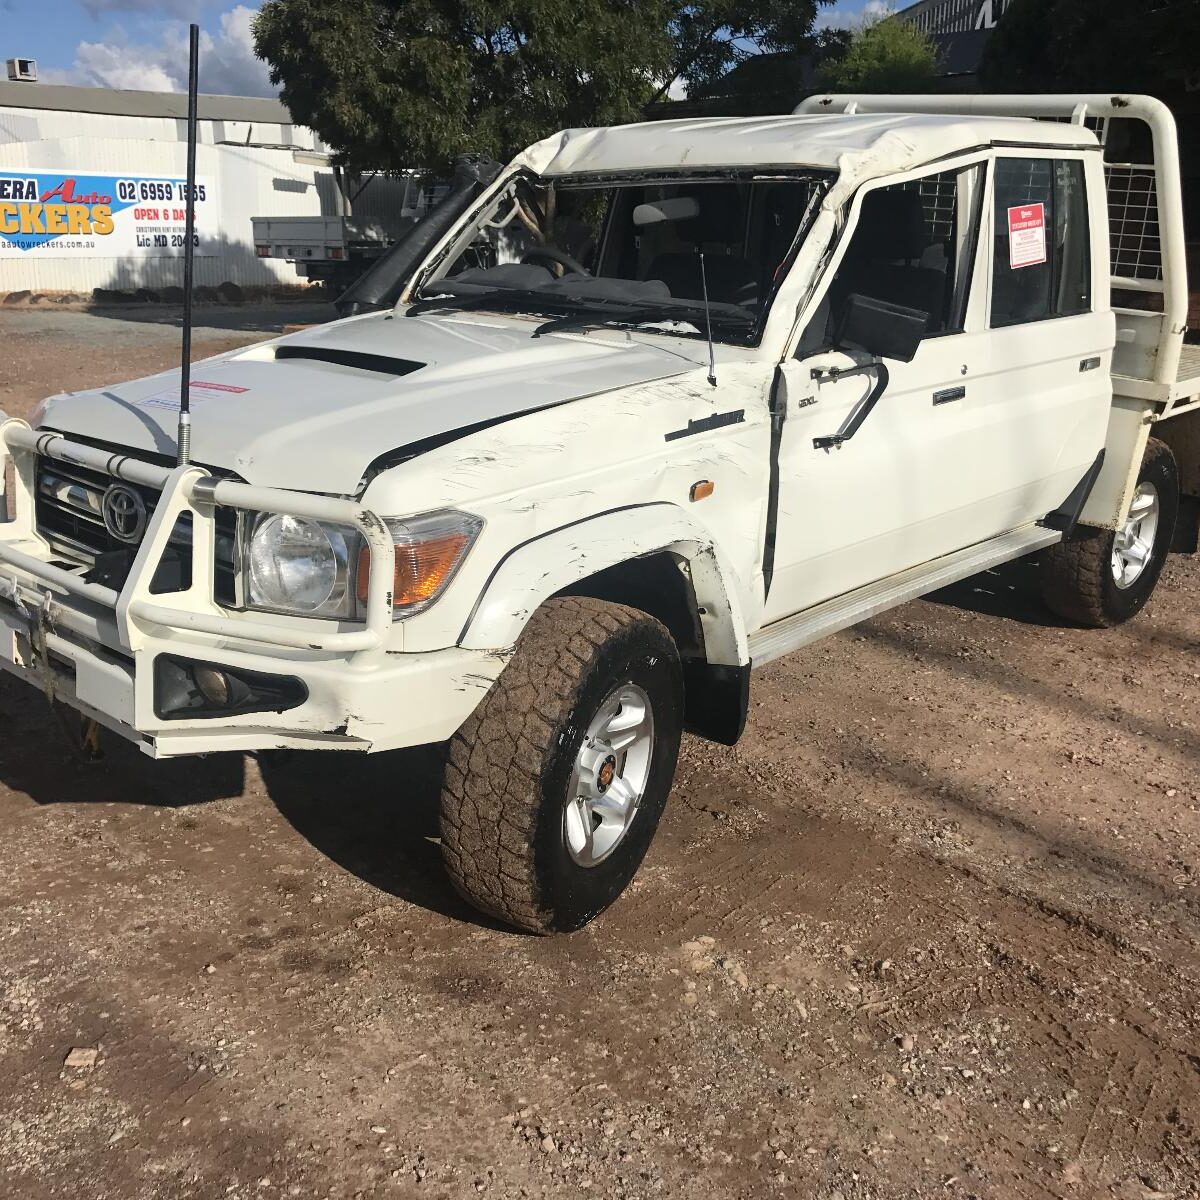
(656, 404)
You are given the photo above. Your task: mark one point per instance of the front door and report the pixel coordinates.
(901, 490)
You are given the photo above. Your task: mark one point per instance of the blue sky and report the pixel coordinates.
(142, 43)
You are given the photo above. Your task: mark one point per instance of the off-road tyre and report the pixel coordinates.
(1077, 576)
(509, 768)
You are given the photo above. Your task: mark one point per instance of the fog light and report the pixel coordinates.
(213, 684)
(186, 689)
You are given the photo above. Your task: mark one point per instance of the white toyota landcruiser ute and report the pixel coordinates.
(642, 411)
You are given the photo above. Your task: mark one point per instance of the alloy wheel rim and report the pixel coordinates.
(1133, 547)
(609, 777)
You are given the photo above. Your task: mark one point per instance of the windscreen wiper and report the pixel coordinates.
(642, 313)
(537, 300)
(424, 304)
(635, 316)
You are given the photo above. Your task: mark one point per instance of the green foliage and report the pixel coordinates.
(1094, 46)
(712, 37)
(402, 83)
(885, 56)
(392, 83)
(770, 83)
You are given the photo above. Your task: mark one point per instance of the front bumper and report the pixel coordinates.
(95, 648)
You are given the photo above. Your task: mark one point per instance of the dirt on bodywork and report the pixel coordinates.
(930, 930)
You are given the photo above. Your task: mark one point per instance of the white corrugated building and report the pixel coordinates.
(64, 151)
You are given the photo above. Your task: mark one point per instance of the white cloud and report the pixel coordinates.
(232, 65)
(227, 61)
(102, 65)
(842, 17)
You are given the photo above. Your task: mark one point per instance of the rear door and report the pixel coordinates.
(1046, 363)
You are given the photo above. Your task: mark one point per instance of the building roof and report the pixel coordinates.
(857, 147)
(954, 16)
(111, 102)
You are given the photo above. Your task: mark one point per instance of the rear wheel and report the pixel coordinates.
(555, 785)
(1102, 578)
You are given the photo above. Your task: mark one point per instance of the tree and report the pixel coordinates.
(401, 83)
(712, 38)
(885, 56)
(770, 82)
(404, 83)
(1094, 46)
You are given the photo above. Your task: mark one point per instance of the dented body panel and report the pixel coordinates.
(316, 408)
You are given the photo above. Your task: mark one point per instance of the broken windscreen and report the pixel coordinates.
(637, 250)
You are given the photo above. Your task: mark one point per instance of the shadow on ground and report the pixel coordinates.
(1011, 591)
(40, 756)
(376, 816)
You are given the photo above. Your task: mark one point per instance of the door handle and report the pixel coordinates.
(949, 395)
(1090, 364)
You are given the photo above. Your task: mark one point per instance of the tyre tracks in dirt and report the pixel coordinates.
(929, 931)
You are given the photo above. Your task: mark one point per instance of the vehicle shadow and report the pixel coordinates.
(374, 815)
(40, 756)
(1011, 591)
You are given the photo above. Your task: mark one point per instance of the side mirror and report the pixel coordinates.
(880, 329)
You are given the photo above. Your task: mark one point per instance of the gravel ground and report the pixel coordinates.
(930, 930)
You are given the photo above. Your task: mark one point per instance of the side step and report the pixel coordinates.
(841, 612)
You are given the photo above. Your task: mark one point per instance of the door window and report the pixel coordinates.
(1042, 264)
(913, 245)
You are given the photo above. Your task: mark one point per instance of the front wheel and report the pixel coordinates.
(1101, 578)
(555, 785)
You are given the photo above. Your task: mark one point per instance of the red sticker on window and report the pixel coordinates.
(1026, 235)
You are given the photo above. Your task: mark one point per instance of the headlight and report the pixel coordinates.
(315, 569)
(429, 550)
(295, 565)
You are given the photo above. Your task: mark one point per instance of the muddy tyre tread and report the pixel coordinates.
(1073, 584)
(1075, 572)
(491, 790)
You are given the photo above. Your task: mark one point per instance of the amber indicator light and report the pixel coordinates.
(421, 568)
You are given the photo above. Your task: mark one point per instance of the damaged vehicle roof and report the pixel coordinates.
(857, 147)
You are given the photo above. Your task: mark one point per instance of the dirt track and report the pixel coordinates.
(931, 930)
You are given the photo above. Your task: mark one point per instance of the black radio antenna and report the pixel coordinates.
(184, 439)
(712, 356)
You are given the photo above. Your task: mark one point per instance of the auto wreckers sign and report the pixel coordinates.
(75, 214)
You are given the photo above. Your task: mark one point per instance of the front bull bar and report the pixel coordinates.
(184, 489)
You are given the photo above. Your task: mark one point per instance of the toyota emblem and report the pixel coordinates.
(124, 513)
